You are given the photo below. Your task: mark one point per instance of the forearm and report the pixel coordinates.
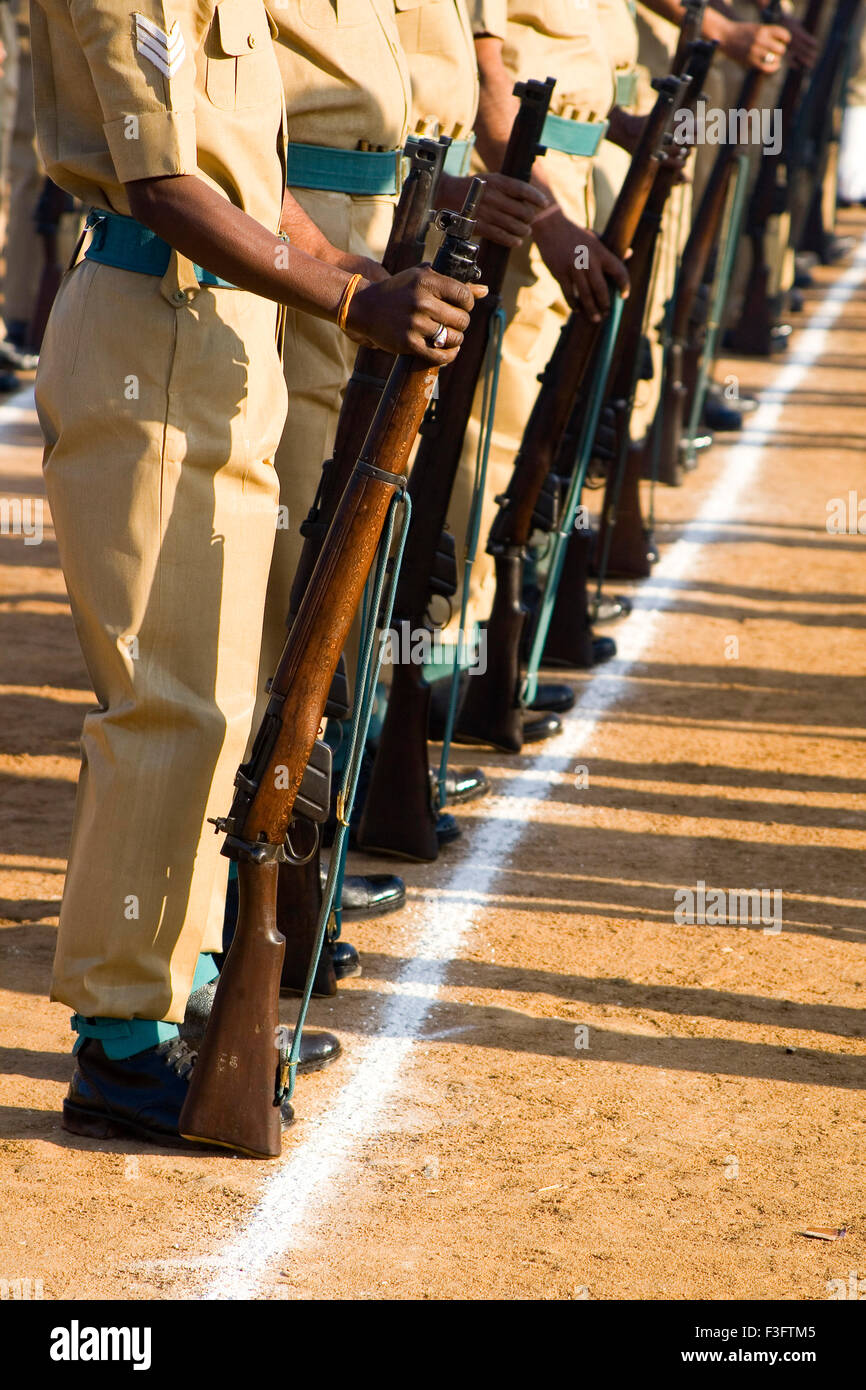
(215, 234)
(497, 107)
(717, 16)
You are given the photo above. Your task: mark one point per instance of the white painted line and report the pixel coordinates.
(19, 409)
(308, 1178)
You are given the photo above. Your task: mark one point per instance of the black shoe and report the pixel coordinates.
(9, 383)
(370, 895)
(464, 784)
(552, 698)
(796, 300)
(607, 610)
(447, 829)
(836, 248)
(718, 415)
(538, 727)
(345, 959)
(17, 358)
(142, 1096)
(603, 648)
(318, 1049)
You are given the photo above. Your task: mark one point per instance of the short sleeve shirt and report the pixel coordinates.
(128, 91)
(554, 38)
(344, 73)
(437, 38)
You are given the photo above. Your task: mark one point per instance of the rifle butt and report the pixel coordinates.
(569, 637)
(398, 816)
(673, 405)
(751, 335)
(299, 907)
(623, 519)
(231, 1099)
(491, 712)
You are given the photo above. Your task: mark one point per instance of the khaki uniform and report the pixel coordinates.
(162, 402)
(565, 41)
(9, 83)
(852, 173)
(656, 42)
(23, 251)
(345, 80)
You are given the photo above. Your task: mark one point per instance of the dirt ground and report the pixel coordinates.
(716, 1110)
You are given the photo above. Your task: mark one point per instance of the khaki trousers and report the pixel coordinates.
(23, 249)
(318, 361)
(160, 421)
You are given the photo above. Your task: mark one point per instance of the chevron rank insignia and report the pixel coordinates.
(165, 50)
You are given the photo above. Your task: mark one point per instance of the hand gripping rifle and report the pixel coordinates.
(492, 709)
(241, 1077)
(299, 896)
(686, 330)
(400, 810)
(771, 197)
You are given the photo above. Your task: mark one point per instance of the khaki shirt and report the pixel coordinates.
(344, 73)
(437, 38)
(123, 94)
(554, 38)
(619, 24)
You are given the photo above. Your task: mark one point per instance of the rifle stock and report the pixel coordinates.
(752, 335)
(300, 887)
(233, 1099)
(400, 809)
(481, 716)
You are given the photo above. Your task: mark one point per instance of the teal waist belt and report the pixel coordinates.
(128, 245)
(362, 172)
(457, 157)
(626, 88)
(573, 137)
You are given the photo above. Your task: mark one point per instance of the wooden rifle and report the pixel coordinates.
(299, 896)
(752, 334)
(492, 709)
(241, 1074)
(687, 326)
(400, 810)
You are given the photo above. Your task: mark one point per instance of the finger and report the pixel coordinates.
(441, 357)
(438, 311)
(452, 292)
(524, 192)
(491, 232)
(600, 291)
(585, 297)
(509, 220)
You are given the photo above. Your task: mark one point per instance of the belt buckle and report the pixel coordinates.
(96, 222)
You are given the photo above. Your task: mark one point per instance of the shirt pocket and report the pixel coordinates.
(241, 65)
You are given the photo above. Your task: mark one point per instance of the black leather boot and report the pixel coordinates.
(140, 1096)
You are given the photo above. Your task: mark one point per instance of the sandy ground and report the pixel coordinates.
(716, 1110)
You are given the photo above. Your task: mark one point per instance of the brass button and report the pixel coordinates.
(251, 40)
(179, 296)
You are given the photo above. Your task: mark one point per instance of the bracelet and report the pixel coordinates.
(345, 301)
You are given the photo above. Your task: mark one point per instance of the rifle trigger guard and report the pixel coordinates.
(290, 854)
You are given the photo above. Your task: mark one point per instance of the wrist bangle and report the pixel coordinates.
(546, 212)
(345, 301)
